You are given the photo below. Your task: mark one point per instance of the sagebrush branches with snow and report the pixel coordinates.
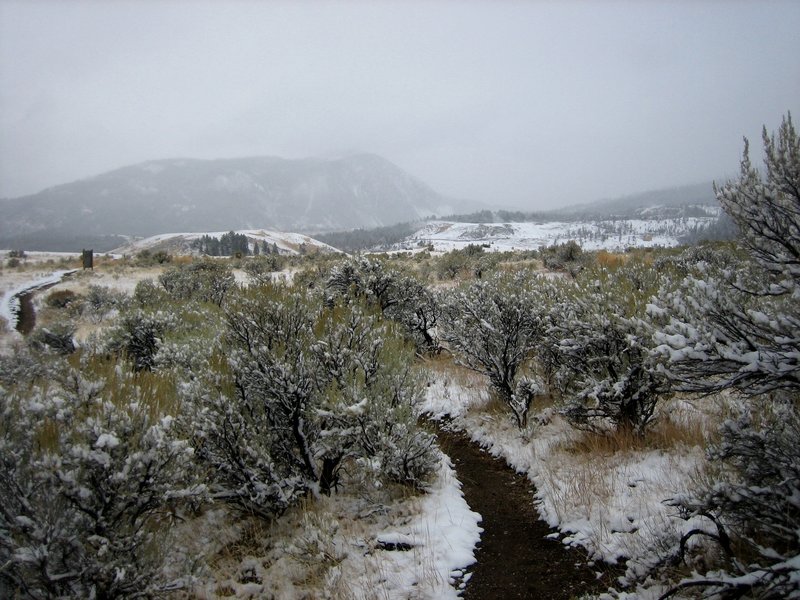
(735, 326)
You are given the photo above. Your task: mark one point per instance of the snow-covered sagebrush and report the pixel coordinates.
(206, 281)
(400, 297)
(737, 327)
(601, 351)
(302, 391)
(494, 326)
(90, 473)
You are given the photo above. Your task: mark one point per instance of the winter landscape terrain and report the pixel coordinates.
(289, 195)
(268, 421)
(614, 235)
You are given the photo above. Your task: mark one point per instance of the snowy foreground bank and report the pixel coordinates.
(442, 537)
(344, 546)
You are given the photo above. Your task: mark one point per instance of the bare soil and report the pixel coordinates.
(26, 319)
(515, 558)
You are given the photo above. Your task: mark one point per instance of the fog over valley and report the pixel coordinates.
(514, 105)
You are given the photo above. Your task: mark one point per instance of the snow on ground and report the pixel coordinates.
(611, 503)
(362, 545)
(614, 235)
(21, 282)
(442, 536)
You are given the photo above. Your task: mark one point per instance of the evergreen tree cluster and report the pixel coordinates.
(233, 244)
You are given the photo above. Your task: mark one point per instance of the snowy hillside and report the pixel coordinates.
(181, 243)
(594, 235)
(199, 195)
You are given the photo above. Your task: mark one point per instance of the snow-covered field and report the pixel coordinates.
(596, 235)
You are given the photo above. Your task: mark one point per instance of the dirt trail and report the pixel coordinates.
(26, 319)
(515, 560)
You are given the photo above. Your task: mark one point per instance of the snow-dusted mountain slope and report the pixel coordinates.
(155, 197)
(594, 235)
(182, 243)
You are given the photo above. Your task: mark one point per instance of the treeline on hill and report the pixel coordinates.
(233, 244)
(259, 397)
(368, 239)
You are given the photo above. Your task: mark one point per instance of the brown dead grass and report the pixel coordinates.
(669, 432)
(610, 260)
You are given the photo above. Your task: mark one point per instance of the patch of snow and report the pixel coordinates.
(612, 505)
(595, 235)
(442, 537)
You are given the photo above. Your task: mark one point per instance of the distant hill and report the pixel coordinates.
(308, 195)
(616, 234)
(684, 214)
(672, 202)
(184, 243)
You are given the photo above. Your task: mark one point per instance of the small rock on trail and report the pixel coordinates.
(515, 559)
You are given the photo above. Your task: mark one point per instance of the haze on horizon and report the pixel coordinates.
(526, 104)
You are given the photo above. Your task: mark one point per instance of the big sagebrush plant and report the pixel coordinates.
(737, 327)
(301, 391)
(91, 471)
(495, 327)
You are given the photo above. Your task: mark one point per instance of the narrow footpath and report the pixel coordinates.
(515, 559)
(26, 319)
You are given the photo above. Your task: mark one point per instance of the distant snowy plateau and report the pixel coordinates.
(612, 235)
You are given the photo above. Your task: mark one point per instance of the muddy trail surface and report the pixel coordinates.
(26, 318)
(515, 559)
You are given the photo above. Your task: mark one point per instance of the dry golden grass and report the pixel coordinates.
(610, 260)
(673, 429)
(444, 364)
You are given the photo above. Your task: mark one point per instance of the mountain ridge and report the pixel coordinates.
(184, 194)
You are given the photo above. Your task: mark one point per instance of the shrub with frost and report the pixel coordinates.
(299, 392)
(58, 338)
(606, 373)
(205, 281)
(737, 328)
(138, 335)
(91, 474)
(147, 294)
(400, 297)
(260, 269)
(495, 326)
(742, 530)
(738, 325)
(99, 301)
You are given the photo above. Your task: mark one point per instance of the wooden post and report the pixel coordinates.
(88, 259)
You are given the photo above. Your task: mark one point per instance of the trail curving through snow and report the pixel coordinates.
(518, 556)
(13, 301)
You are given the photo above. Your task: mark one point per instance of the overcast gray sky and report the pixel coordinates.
(533, 104)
